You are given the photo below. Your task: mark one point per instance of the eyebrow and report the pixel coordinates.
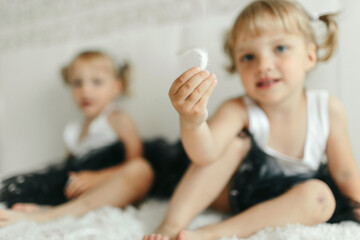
(241, 49)
(276, 39)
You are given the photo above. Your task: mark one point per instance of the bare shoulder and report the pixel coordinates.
(119, 118)
(126, 130)
(234, 110)
(235, 106)
(337, 112)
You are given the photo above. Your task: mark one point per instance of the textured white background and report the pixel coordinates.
(37, 37)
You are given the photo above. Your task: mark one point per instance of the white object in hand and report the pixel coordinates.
(201, 52)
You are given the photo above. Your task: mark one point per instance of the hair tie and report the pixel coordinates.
(314, 16)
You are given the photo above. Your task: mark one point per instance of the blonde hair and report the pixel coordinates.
(261, 15)
(121, 73)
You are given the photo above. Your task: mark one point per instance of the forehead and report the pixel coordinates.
(262, 24)
(264, 15)
(268, 38)
(95, 64)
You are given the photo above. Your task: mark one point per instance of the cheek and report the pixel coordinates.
(107, 94)
(293, 71)
(245, 73)
(246, 81)
(289, 66)
(76, 95)
(116, 89)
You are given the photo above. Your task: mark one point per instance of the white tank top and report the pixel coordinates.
(316, 136)
(100, 134)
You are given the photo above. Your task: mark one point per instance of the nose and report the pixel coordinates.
(85, 89)
(265, 63)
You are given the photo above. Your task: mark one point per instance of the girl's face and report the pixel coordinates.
(273, 65)
(93, 85)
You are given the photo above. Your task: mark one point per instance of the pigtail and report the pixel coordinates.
(331, 39)
(65, 74)
(124, 75)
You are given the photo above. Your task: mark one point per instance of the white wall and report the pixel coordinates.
(349, 70)
(35, 105)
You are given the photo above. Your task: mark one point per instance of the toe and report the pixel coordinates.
(181, 236)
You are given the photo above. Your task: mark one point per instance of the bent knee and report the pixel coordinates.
(318, 200)
(139, 168)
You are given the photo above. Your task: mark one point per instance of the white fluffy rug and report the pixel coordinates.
(131, 223)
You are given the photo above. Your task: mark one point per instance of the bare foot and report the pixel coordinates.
(8, 217)
(194, 235)
(155, 236)
(29, 207)
(163, 232)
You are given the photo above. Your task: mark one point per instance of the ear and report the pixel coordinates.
(311, 56)
(118, 87)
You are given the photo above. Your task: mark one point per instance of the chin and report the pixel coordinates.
(268, 100)
(89, 114)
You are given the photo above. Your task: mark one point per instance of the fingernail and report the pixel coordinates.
(213, 75)
(207, 72)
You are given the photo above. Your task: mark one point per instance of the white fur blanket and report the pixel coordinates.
(109, 223)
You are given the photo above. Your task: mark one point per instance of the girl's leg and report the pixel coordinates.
(29, 207)
(129, 184)
(308, 203)
(199, 187)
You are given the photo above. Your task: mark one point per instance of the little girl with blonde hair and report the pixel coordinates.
(296, 166)
(105, 163)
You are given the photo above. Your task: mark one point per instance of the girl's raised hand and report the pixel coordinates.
(190, 94)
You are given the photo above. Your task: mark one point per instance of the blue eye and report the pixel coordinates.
(247, 57)
(281, 48)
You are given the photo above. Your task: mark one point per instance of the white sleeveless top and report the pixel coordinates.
(100, 134)
(316, 137)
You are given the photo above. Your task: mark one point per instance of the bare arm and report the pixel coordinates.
(127, 132)
(204, 142)
(340, 159)
(84, 180)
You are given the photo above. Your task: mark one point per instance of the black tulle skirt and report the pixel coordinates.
(259, 178)
(169, 162)
(46, 186)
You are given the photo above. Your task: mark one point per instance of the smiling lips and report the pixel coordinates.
(266, 83)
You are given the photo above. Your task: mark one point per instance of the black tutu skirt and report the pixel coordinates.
(259, 178)
(46, 187)
(169, 162)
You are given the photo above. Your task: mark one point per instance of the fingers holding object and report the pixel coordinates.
(204, 94)
(192, 84)
(182, 79)
(201, 89)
